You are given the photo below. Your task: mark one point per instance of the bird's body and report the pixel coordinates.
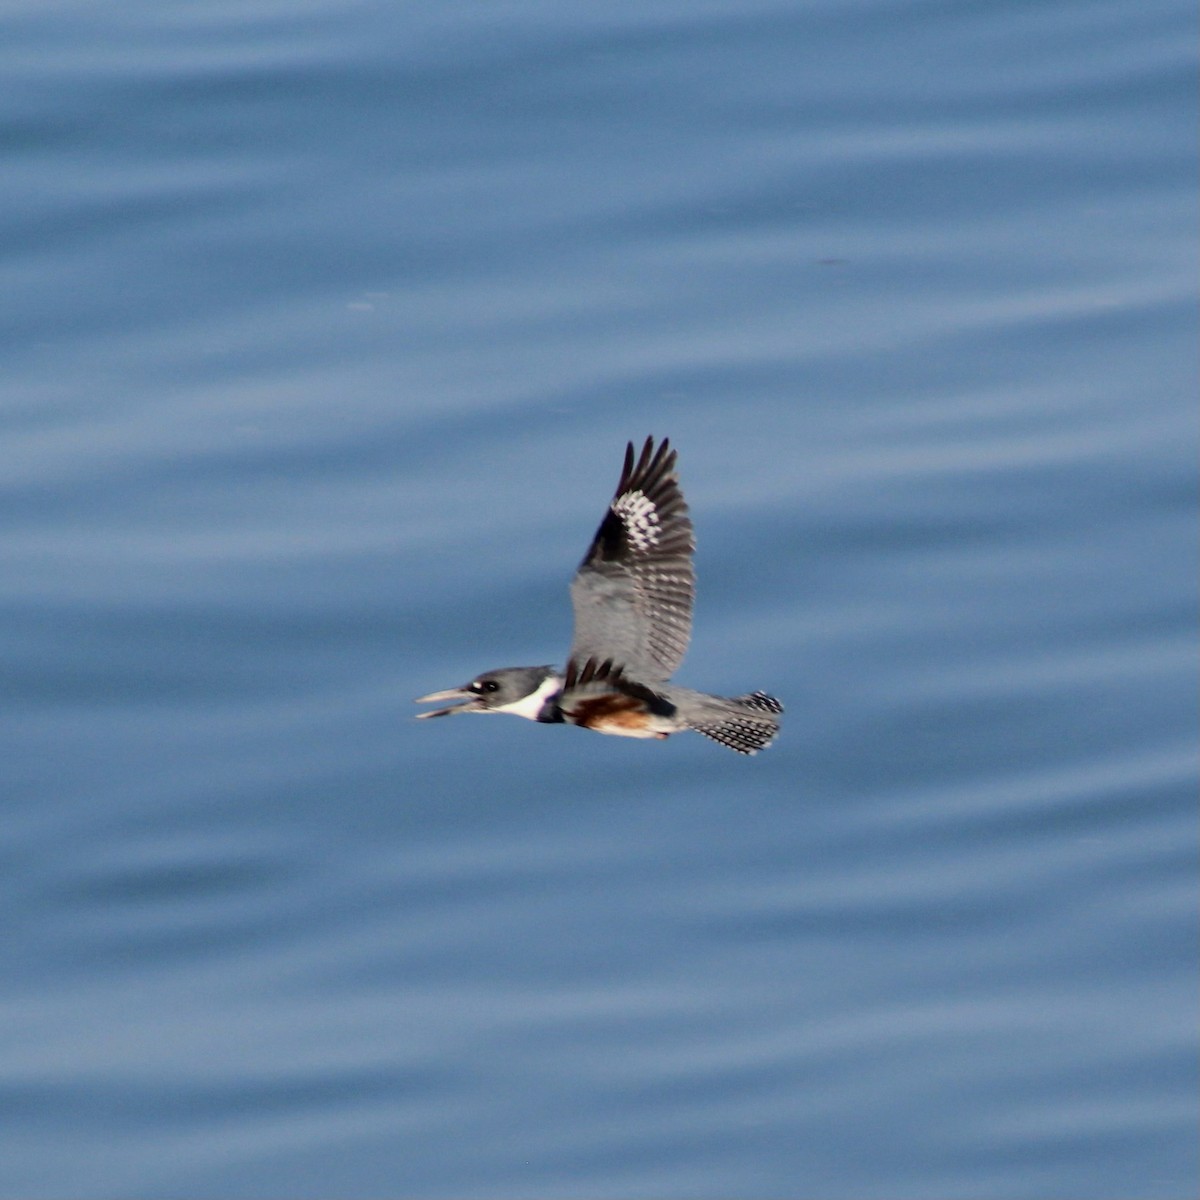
(632, 597)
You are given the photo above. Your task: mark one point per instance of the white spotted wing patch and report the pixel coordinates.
(639, 514)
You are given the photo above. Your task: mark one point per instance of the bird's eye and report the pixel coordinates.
(489, 685)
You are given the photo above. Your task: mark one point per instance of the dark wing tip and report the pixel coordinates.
(652, 466)
(649, 473)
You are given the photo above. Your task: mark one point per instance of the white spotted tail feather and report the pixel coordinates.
(634, 590)
(746, 731)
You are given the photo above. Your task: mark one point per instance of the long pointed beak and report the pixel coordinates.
(467, 701)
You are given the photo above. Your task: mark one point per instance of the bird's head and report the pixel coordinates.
(522, 691)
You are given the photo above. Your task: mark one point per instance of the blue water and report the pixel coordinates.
(322, 329)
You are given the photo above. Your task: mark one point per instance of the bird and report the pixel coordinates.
(632, 597)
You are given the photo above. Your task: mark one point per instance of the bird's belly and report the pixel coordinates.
(619, 716)
(626, 729)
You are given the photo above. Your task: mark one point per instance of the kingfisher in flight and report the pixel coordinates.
(632, 597)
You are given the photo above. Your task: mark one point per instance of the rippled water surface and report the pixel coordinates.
(323, 327)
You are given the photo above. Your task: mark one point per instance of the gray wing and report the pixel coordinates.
(633, 591)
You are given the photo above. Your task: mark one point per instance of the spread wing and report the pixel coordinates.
(633, 591)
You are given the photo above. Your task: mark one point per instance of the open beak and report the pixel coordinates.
(466, 701)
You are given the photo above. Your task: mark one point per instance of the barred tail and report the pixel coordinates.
(749, 729)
